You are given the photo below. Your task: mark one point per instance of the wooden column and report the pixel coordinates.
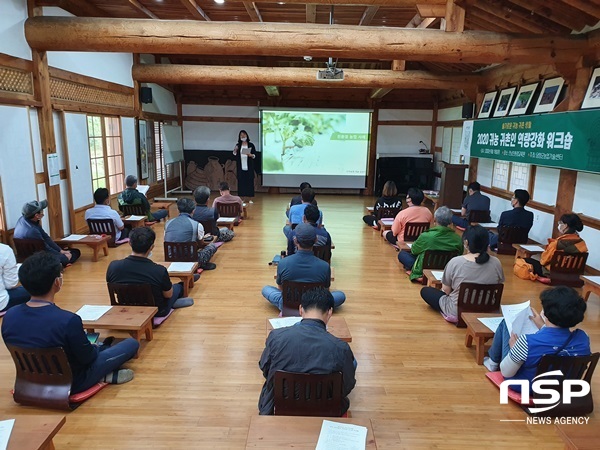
(41, 87)
(434, 119)
(564, 195)
(372, 152)
(137, 106)
(473, 167)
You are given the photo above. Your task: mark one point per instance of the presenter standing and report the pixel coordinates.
(245, 153)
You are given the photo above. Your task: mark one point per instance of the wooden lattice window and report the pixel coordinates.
(106, 153)
(509, 176)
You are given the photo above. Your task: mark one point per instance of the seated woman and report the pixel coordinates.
(389, 199)
(518, 356)
(477, 266)
(440, 237)
(568, 241)
(11, 294)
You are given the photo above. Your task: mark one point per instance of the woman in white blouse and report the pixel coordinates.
(10, 294)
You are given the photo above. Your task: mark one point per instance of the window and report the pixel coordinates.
(158, 152)
(509, 176)
(106, 153)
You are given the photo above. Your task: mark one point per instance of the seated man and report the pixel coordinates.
(296, 212)
(516, 217)
(474, 201)
(297, 199)
(440, 237)
(414, 213)
(131, 196)
(307, 347)
(302, 266)
(311, 216)
(39, 323)
(186, 229)
(29, 227)
(11, 294)
(203, 213)
(226, 197)
(102, 210)
(138, 268)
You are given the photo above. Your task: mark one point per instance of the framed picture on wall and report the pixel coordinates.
(486, 105)
(504, 101)
(592, 96)
(523, 99)
(549, 95)
(143, 149)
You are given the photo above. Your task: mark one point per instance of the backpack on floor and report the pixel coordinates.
(524, 270)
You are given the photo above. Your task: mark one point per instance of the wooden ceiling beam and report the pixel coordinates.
(141, 8)
(427, 22)
(455, 17)
(587, 6)
(386, 3)
(253, 11)
(504, 24)
(368, 15)
(379, 92)
(296, 77)
(552, 11)
(311, 13)
(195, 10)
(429, 10)
(519, 17)
(278, 39)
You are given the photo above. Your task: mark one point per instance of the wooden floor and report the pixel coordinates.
(197, 383)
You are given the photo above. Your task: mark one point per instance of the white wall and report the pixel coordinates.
(79, 159)
(163, 100)
(546, 185)
(447, 114)
(129, 133)
(12, 36)
(586, 192)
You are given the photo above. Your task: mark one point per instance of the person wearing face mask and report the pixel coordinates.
(476, 266)
(516, 217)
(39, 323)
(245, 154)
(138, 268)
(569, 242)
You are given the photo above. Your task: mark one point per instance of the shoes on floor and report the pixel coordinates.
(119, 376)
(196, 277)
(209, 266)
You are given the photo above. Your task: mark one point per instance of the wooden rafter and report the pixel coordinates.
(425, 23)
(253, 11)
(141, 8)
(518, 17)
(296, 77)
(587, 6)
(195, 10)
(429, 10)
(505, 24)
(311, 13)
(574, 20)
(211, 38)
(368, 15)
(272, 91)
(455, 17)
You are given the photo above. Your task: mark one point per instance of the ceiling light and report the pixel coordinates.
(220, 2)
(280, 3)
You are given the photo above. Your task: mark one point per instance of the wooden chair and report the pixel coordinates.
(507, 236)
(133, 210)
(306, 394)
(387, 213)
(44, 378)
(437, 259)
(230, 210)
(210, 227)
(104, 226)
(323, 252)
(413, 230)
(27, 247)
(181, 251)
(479, 216)
(292, 295)
(566, 269)
(130, 294)
(473, 297)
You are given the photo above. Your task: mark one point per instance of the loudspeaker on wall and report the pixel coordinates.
(146, 95)
(467, 110)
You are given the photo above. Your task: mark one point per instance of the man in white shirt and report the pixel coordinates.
(10, 294)
(102, 210)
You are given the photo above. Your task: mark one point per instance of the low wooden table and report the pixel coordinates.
(245, 210)
(524, 253)
(383, 227)
(227, 222)
(135, 223)
(431, 280)
(295, 432)
(94, 241)
(136, 320)
(435, 199)
(160, 205)
(34, 432)
(590, 284)
(337, 326)
(477, 331)
(186, 277)
(579, 437)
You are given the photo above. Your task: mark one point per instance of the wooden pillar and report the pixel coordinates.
(372, 151)
(137, 105)
(473, 166)
(41, 87)
(434, 118)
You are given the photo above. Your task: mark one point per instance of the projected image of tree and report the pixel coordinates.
(294, 132)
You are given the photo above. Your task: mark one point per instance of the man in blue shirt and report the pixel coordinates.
(39, 323)
(475, 201)
(29, 227)
(311, 216)
(296, 212)
(303, 266)
(516, 217)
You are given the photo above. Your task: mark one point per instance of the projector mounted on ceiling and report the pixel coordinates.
(332, 73)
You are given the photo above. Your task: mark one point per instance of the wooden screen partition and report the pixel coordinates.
(451, 190)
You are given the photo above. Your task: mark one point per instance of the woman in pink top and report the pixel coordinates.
(414, 213)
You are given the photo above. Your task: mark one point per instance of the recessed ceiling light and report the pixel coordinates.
(220, 2)
(280, 3)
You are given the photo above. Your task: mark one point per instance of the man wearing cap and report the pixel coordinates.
(303, 266)
(131, 196)
(29, 227)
